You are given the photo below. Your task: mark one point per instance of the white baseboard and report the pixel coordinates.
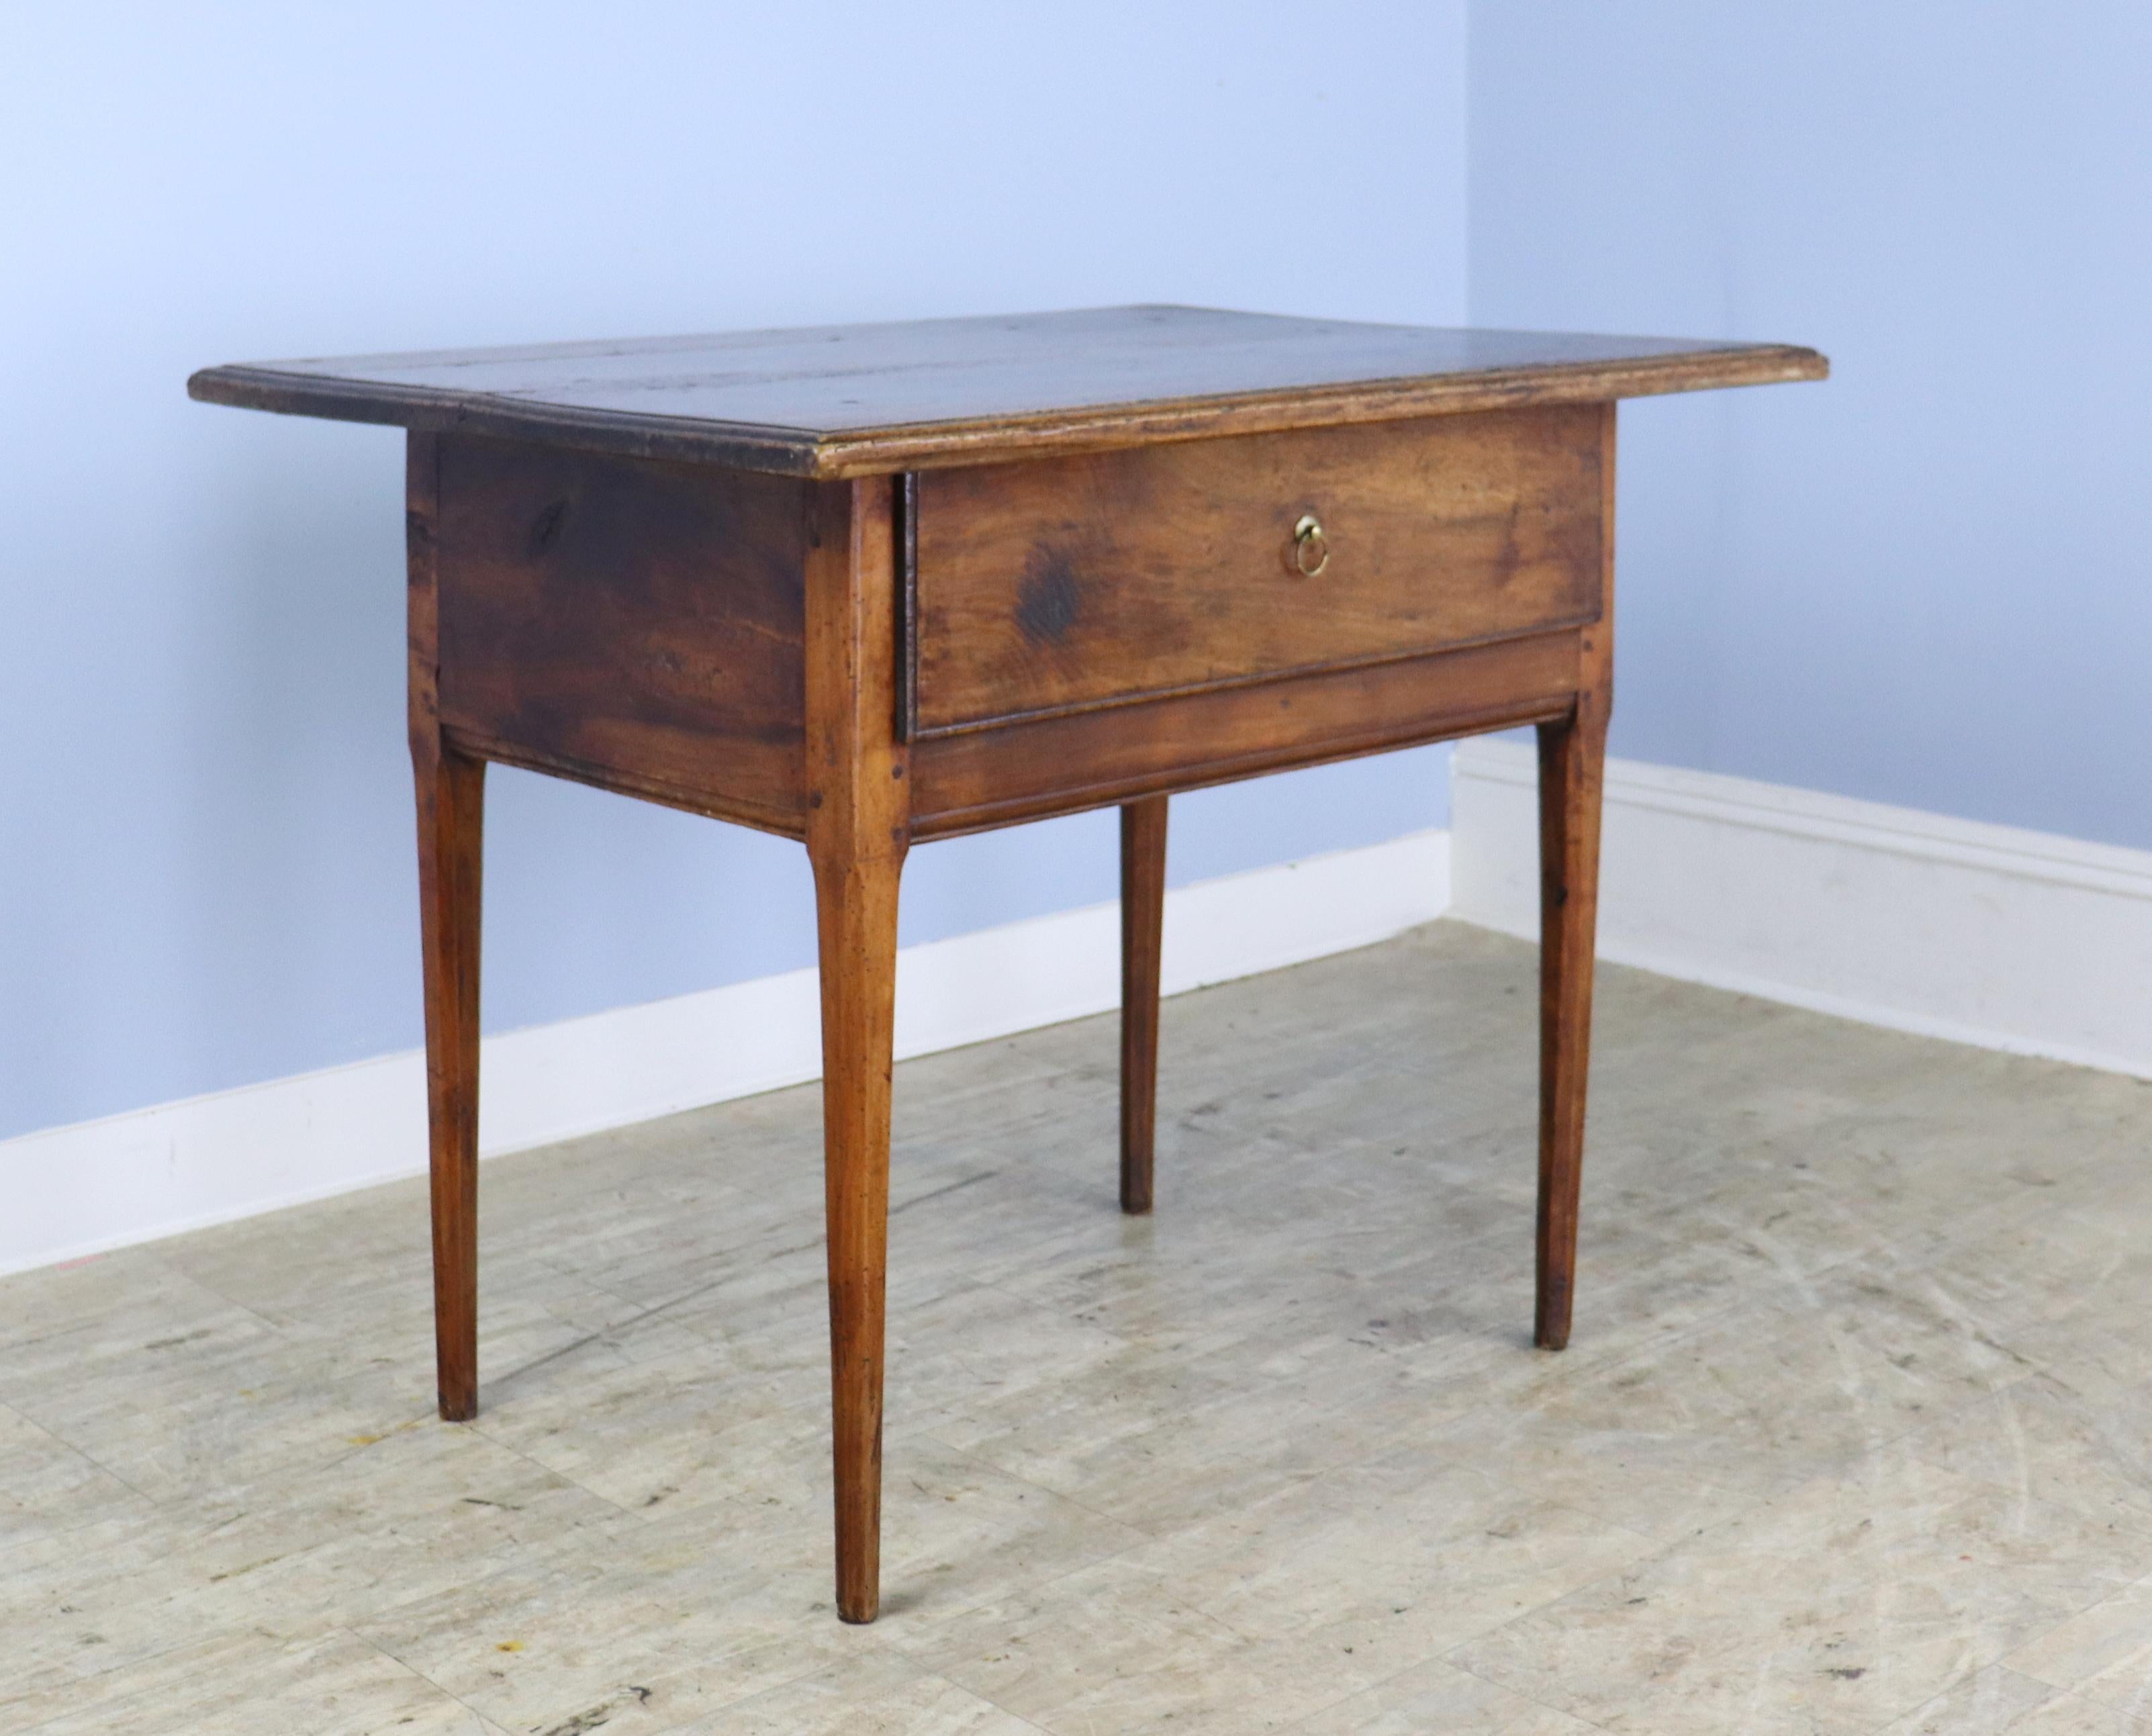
(1985, 934)
(1988, 934)
(73, 1192)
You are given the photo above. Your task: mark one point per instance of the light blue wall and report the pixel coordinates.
(206, 848)
(1929, 581)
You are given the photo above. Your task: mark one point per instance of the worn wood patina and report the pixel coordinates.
(866, 586)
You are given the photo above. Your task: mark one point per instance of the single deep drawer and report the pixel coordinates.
(1067, 584)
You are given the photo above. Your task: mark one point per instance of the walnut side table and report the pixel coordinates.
(867, 585)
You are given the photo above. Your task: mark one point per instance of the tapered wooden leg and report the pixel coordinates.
(858, 829)
(857, 907)
(1572, 756)
(451, 809)
(1572, 774)
(1143, 917)
(451, 790)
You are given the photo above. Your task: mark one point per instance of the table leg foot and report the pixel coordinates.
(1143, 916)
(1572, 756)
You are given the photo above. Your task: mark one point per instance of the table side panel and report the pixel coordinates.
(1071, 583)
(627, 622)
(1026, 770)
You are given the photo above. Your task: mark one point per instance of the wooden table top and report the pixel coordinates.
(830, 401)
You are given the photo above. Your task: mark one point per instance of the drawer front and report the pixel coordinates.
(1069, 584)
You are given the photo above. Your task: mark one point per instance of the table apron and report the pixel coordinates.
(983, 779)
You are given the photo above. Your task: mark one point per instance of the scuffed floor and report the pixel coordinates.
(1855, 1434)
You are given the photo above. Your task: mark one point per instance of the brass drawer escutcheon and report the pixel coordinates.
(1311, 548)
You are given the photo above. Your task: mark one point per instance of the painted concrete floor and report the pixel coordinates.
(1855, 1433)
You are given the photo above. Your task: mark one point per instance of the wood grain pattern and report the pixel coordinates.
(858, 400)
(451, 792)
(615, 618)
(857, 834)
(1749, 1419)
(1143, 919)
(1572, 774)
(1056, 585)
(987, 778)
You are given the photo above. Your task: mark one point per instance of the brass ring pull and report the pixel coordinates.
(1311, 548)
